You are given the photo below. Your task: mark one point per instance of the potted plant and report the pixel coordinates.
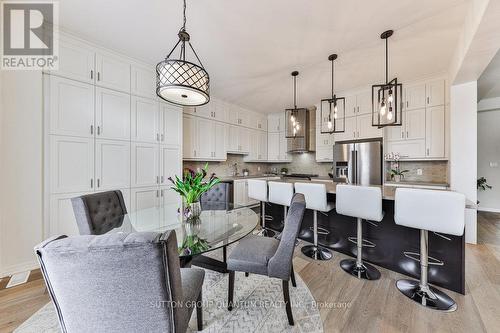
(190, 188)
(284, 171)
(397, 174)
(482, 185)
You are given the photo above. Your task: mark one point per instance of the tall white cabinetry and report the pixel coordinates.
(277, 143)
(106, 130)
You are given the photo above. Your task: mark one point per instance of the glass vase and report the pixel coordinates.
(192, 212)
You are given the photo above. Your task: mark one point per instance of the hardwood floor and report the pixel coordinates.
(351, 305)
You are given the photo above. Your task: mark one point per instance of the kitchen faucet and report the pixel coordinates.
(235, 169)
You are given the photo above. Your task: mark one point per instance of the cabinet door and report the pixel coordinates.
(232, 114)
(273, 147)
(415, 96)
(324, 154)
(365, 130)
(219, 143)
(350, 130)
(244, 117)
(415, 124)
(143, 81)
(407, 148)
(112, 164)
(144, 198)
(435, 93)
(171, 164)
(61, 216)
(145, 120)
(262, 146)
(435, 131)
(396, 133)
(190, 137)
(71, 107)
(219, 110)
(112, 72)
(171, 120)
(71, 164)
(232, 138)
(364, 102)
(262, 122)
(76, 60)
(244, 138)
(204, 111)
(322, 140)
(240, 196)
(206, 140)
(284, 156)
(351, 106)
(274, 122)
(145, 164)
(112, 114)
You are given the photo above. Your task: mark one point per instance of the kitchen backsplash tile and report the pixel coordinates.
(432, 171)
(226, 168)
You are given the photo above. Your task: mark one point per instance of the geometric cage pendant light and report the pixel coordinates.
(333, 109)
(296, 119)
(179, 81)
(387, 97)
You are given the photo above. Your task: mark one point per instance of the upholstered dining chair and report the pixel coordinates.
(97, 213)
(120, 282)
(217, 198)
(269, 256)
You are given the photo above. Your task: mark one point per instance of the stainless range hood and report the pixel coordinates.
(307, 142)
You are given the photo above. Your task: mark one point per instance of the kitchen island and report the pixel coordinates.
(387, 241)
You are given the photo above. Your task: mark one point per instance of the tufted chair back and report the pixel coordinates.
(217, 198)
(98, 213)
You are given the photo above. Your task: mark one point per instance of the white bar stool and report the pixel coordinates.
(281, 194)
(428, 210)
(257, 190)
(316, 200)
(363, 203)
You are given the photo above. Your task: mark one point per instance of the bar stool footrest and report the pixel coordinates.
(321, 231)
(433, 298)
(366, 242)
(416, 256)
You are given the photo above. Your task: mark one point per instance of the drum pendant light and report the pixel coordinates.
(387, 97)
(333, 109)
(179, 81)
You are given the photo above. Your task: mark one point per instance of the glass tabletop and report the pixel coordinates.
(215, 229)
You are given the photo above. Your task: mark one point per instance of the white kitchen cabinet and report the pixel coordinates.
(204, 143)
(61, 216)
(365, 129)
(112, 114)
(324, 154)
(76, 60)
(435, 91)
(113, 71)
(71, 164)
(257, 146)
(171, 124)
(435, 132)
(232, 138)
(395, 133)
(351, 106)
(145, 122)
(144, 198)
(112, 164)
(142, 81)
(262, 146)
(219, 141)
(273, 146)
(71, 107)
(275, 122)
(415, 97)
(407, 148)
(364, 102)
(349, 130)
(190, 137)
(414, 124)
(284, 156)
(171, 164)
(244, 140)
(145, 164)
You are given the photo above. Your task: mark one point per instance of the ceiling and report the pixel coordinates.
(250, 47)
(488, 85)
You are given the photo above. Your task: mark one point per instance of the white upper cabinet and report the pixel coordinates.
(435, 91)
(232, 138)
(112, 114)
(365, 129)
(71, 105)
(171, 120)
(113, 71)
(190, 137)
(219, 137)
(112, 164)
(71, 164)
(351, 106)
(275, 122)
(415, 124)
(76, 60)
(205, 139)
(407, 148)
(145, 120)
(364, 102)
(169, 166)
(415, 97)
(435, 133)
(145, 164)
(350, 130)
(143, 81)
(273, 146)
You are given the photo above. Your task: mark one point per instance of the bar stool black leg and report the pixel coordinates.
(265, 232)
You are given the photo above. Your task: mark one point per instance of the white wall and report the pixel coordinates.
(488, 143)
(20, 169)
(463, 148)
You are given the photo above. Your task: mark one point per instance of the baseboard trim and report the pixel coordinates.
(487, 209)
(27, 266)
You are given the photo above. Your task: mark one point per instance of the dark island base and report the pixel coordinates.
(391, 241)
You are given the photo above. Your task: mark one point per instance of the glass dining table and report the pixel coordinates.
(216, 229)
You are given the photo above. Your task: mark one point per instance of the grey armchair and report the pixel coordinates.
(269, 256)
(120, 282)
(217, 198)
(98, 213)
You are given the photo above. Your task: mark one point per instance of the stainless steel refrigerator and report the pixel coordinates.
(358, 162)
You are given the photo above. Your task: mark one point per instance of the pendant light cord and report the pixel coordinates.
(295, 92)
(386, 60)
(333, 83)
(184, 14)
